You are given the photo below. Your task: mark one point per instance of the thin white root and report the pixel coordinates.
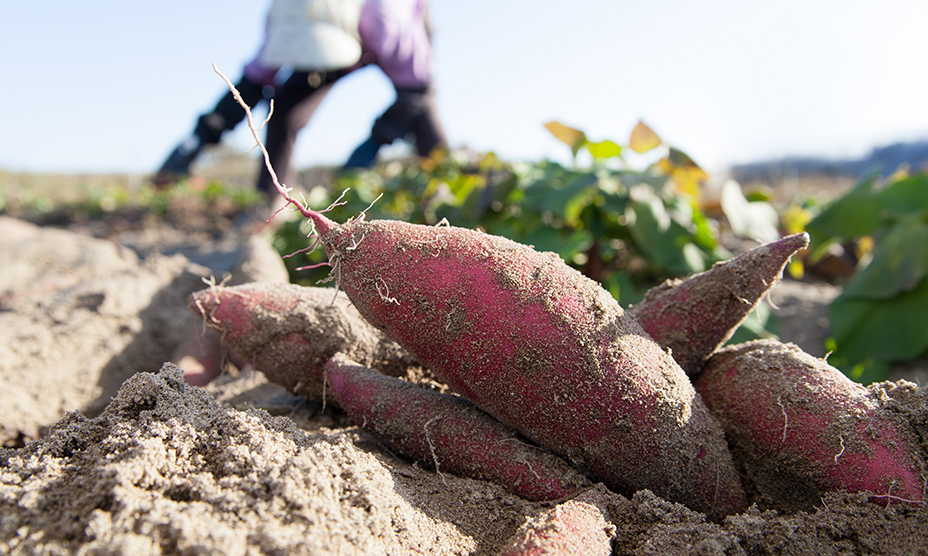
(385, 293)
(360, 217)
(523, 460)
(334, 262)
(202, 312)
(354, 243)
(270, 112)
(325, 382)
(254, 131)
(839, 454)
(769, 300)
(736, 296)
(785, 418)
(337, 202)
(428, 440)
(898, 499)
(338, 282)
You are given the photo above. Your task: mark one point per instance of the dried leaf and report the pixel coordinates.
(643, 139)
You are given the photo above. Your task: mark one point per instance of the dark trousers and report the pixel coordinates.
(296, 100)
(413, 112)
(227, 113)
(294, 104)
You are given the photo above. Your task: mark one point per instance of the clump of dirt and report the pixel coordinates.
(78, 316)
(167, 469)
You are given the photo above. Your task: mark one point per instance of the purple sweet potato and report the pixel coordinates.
(448, 433)
(540, 347)
(800, 428)
(578, 526)
(694, 317)
(288, 332)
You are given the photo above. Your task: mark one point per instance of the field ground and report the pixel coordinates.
(172, 468)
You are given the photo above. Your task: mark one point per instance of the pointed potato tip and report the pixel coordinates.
(794, 243)
(784, 248)
(778, 253)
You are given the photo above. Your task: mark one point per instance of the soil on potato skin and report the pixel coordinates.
(288, 332)
(797, 426)
(169, 468)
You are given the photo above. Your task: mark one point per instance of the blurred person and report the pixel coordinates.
(308, 46)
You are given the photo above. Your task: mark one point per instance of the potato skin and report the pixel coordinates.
(695, 316)
(799, 428)
(450, 433)
(288, 332)
(543, 349)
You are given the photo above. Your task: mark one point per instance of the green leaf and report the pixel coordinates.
(546, 238)
(909, 195)
(760, 324)
(461, 186)
(680, 159)
(900, 263)
(884, 329)
(623, 289)
(706, 235)
(604, 149)
(854, 215)
(664, 242)
(756, 220)
(560, 198)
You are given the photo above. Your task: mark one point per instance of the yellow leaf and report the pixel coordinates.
(795, 218)
(643, 139)
(573, 137)
(604, 149)
(865, 246)
(688, 181)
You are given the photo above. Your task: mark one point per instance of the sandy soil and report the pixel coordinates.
(111, 452)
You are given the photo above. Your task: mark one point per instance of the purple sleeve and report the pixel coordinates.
(394, 31)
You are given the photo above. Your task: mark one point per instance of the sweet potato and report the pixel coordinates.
(540, 347)
(578, 526)
(288, 332)
(799, 427)
(447, 432)
(537, 345)
(694, 317)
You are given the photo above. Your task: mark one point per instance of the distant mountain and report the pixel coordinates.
(883, 160)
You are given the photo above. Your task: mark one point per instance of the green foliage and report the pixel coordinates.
(881, 316)
(854, 215)
(54, 200)
(626, 228)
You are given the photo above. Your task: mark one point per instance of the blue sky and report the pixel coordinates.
(101, 85)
